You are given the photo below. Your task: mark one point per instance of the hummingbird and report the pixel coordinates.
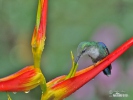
(96, 51)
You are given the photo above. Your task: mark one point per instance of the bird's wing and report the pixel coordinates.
(107, 51)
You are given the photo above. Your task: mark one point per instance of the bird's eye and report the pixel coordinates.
(83, 51)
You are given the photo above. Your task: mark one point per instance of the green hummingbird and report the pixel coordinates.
(96, 51)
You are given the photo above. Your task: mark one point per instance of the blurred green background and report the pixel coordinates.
(69, 22)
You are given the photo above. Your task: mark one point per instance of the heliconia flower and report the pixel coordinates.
(30, 76)
(38, 38)
(23, 80)
(61, 87)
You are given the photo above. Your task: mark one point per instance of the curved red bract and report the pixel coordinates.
(18, 81)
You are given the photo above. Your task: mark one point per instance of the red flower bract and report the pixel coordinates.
(24, 80)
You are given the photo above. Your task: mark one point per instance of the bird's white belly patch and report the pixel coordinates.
(93, 52)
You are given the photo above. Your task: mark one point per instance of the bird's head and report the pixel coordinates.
(83, 49)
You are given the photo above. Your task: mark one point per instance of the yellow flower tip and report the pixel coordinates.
(9, 98)
(72, 57)
(73, 68)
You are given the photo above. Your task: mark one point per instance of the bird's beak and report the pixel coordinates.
(77, 59)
